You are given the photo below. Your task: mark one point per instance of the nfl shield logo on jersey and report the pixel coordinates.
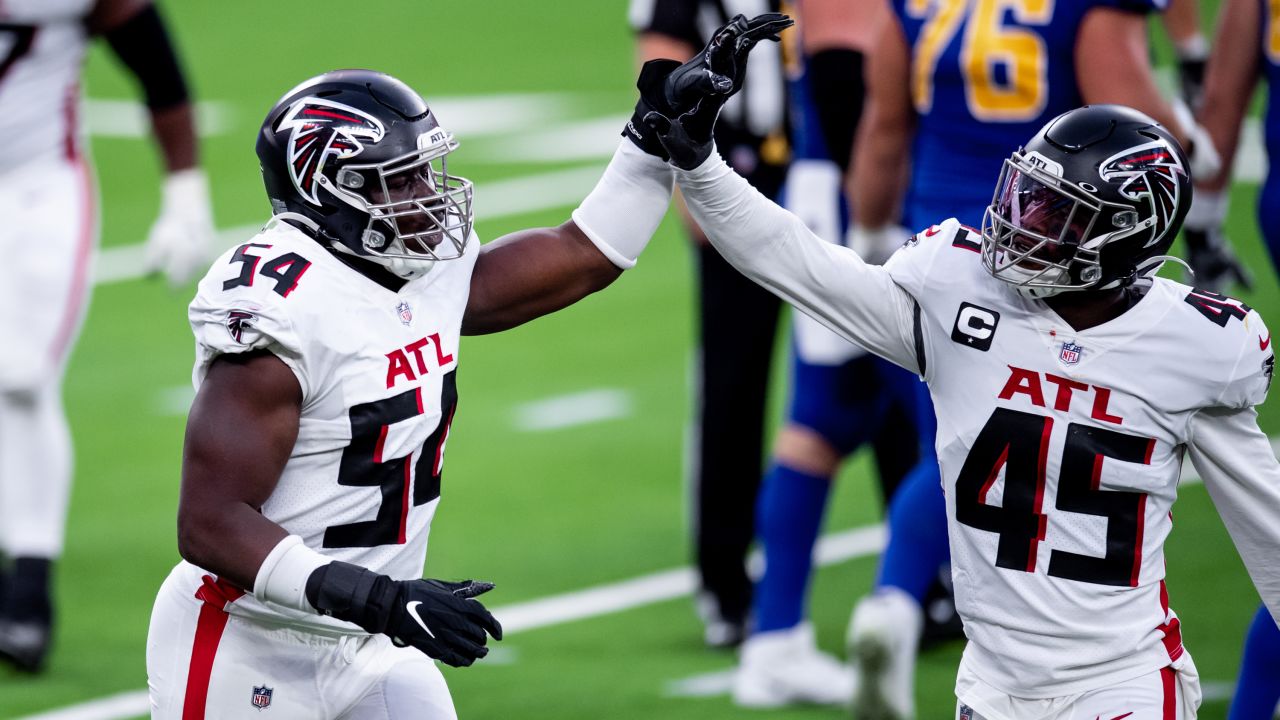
(262, 697)
(405, 312)
(966, 712)
(1070, 354)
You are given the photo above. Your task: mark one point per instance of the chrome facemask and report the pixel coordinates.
(418, 212)
(1040, 226)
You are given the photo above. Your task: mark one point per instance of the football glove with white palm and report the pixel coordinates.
(442, 619)
(181, 239)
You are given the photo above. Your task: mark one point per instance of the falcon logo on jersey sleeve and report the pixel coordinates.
(1148, 171)
(324, 129)
(240, 325)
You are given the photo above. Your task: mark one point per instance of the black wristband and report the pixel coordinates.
(352, 593)
(143, 45)
(838, 90)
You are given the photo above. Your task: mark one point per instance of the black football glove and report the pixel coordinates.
(686, 131)
(697, 89)
(440, 618)
(653, 76)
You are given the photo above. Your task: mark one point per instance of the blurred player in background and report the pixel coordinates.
(1213, 264)
(1234, 72)
(841, 397)
(952, 86)
(327, 351)
(737, 320)
(50, 230)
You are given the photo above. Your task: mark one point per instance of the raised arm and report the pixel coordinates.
(775, 249)
(1242, 476)
(528, 274)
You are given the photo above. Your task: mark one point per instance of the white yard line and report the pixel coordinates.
(129, 118)
(494, 200)
(113, 707)
(464, 115)
(580, 408)
(711, 684)
(535, 614)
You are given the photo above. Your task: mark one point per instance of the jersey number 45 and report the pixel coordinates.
(1019, 443)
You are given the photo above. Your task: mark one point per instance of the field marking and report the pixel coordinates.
(493, 200)
(546, 612)
(130, 119)
(113, 707)
(464, 115)
(702, 685)
(580, 140)
(580, 408)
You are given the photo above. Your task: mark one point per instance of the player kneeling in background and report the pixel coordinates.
(1056, 361)
(327, 349)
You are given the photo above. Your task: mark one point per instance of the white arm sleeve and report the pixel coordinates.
(1242, 476)
(626, 206)
(775, 249)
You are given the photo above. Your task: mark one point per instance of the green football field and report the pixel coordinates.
(566, 469)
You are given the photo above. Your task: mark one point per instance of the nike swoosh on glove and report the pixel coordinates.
(441, 618)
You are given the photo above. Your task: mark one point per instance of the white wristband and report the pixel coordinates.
(626, 206)
(282, 579)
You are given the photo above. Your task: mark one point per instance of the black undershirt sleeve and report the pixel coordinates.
(835, 79)
(143, 45)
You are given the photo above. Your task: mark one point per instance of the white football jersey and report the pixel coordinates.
(42, 49)
(377, 370)
(1060, 454)
(1060, 450)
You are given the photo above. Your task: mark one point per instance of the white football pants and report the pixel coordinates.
(204, 663)
(1165, 694)
(47, 240)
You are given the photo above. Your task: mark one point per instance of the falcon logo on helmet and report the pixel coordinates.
(1148, 172)
(323, 129)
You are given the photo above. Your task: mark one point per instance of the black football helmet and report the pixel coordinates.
(360, 156)
(1093, 201)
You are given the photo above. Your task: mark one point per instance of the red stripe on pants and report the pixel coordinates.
(1167, 676)
(209, 627)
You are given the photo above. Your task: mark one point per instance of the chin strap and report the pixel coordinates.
(311, 225)
(1152, 266)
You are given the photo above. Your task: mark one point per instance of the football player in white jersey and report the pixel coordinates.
(47, 239)
(326, 354)
(1057, 362)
